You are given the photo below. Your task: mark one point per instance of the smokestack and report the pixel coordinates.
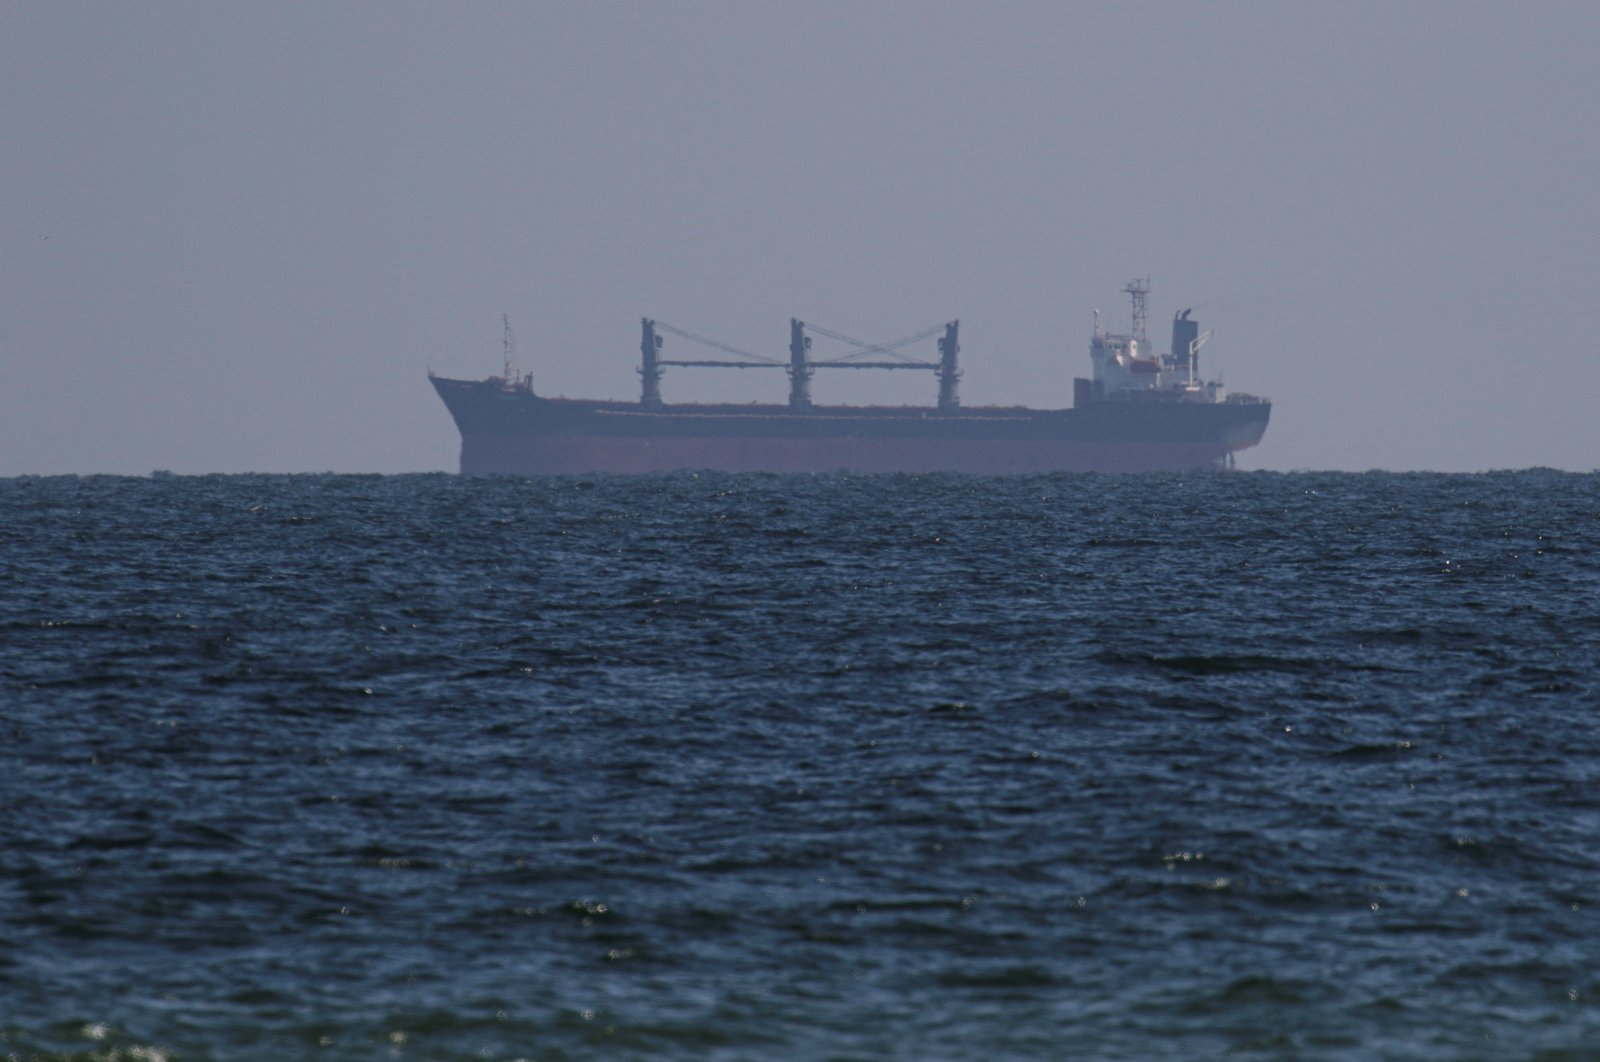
(1184, 332)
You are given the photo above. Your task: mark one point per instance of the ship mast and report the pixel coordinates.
(1139, 291)
(948, 373)
(799, 371)
(650, 370)
(509, 373)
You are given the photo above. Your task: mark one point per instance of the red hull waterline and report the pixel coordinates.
(483, 454)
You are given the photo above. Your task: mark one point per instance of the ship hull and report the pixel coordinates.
(555, 455)
(516, 432)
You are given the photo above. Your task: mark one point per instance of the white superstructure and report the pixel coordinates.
(1127, 365)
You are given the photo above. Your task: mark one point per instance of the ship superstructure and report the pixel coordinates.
(1127, 367)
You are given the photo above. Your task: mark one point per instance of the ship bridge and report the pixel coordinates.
(1127, 367)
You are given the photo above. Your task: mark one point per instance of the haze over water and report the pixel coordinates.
(235, 237)
(1254, 766)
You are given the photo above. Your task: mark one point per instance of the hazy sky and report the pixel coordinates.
(237, 235)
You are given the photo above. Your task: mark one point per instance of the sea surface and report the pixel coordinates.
(1249, 766)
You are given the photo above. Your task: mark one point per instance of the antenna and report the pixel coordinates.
(510, 372)
(1139, 291)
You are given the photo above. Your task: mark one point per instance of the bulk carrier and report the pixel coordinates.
(1140, 411)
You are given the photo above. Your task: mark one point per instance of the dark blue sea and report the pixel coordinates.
(1250, 766)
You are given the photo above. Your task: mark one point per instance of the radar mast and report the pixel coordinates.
(1139, 291)
(509, 374)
